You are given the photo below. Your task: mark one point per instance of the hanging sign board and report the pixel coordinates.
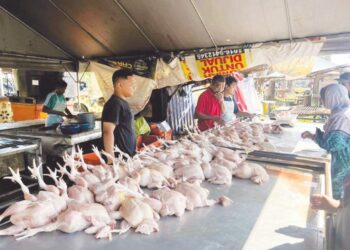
(144, 67)
(221, 62)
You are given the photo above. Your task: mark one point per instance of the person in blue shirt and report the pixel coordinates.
(336, 135)
(55, 105)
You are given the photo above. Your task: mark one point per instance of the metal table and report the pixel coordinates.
(290, 140)
(54, 141)
(16, 152)
(275, 215)
(67, 139)
(15, 145)
(21, 124)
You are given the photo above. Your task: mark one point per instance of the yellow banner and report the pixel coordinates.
(220, 62)
(208, 64)
(186, 70)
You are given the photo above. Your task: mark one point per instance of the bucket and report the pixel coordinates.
(268, 106)
(87, 118)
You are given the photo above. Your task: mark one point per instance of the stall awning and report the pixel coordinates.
(90, 28)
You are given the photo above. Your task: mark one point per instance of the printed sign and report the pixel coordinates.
(222, 62)
(142, 67)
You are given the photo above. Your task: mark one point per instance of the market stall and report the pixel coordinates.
(170, 46)
(256, 217)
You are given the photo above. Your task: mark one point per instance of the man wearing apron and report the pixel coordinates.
(55, 105)
(231, 108)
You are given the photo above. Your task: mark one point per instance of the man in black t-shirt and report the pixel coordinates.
(117, 119)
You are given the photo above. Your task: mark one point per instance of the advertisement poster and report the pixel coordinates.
(208, 64)
(222, 62)
(144, 67)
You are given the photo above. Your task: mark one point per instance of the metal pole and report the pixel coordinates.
(35, 32)
(288, 20)
(78, 84)
(329, 218)
(1, 84)
(81, 27)
(204, 25)
(136, 25)
(33, 57)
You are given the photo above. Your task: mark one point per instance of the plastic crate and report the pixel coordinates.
(148, 140)
(91, 159)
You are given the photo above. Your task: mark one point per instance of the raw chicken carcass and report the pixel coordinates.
(132, 184)
(164, 169)
(155, 204)
(267, 146)
(26, 215)
(231, 155)
(150, 178)
(253, 171)
(93, 217)
(15, 208)
(276, 129)
(220, 161)
(216, 174)
(42, 195)
(195, 194)
(257, 128)
(173, 202)
(79, 178)
(139, 215)
(190, 172)
(273, 129)
(80, 194)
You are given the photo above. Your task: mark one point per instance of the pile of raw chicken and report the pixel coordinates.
(135, 192)
(243, 135)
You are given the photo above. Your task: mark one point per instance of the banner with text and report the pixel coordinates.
(206, 65)
(222, 62)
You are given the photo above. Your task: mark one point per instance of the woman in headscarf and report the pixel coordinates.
(336, 135)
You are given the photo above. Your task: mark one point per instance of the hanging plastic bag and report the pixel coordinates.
(141, 126)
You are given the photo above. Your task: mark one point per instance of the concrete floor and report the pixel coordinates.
(275, 215)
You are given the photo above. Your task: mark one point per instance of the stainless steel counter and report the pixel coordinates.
(54, 142)
(275, 215)
(21, 124)
(66, 139)
(10, 145)
(290, 140)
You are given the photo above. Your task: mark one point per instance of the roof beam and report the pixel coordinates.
(33, 57)
(203, 23)
(80, 26)
(286, 8)
(136, 25)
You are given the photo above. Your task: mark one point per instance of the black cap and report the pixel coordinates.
(345, 77)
